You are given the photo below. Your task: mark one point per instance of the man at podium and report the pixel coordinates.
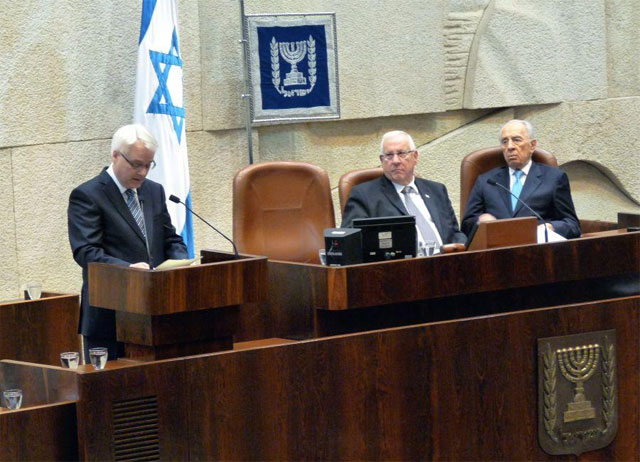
(120, 217)
(399, 192)
(543, 188)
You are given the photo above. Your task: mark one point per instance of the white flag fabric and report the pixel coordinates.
(159, 106)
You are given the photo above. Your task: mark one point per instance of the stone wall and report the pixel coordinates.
(449, 72)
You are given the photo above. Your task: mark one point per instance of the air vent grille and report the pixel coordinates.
(135, 429)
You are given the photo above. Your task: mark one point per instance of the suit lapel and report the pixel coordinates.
(533, 181)
(390, 192)
(502, 178)
(113, 194)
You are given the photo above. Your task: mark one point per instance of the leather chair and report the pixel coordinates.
(483, 160)
(280, 209)
(353, 178)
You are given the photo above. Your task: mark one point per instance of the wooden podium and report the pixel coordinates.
(502, 233)
(39, 330)
(178, 312)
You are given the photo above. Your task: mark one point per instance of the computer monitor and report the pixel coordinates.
(387, 238)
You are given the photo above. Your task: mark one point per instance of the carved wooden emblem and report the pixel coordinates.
(577, 392)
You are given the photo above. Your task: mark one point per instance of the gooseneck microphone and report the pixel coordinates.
(493, 182)
(177, 200)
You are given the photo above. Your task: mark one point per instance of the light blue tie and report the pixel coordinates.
(516, 189)
(136, 211)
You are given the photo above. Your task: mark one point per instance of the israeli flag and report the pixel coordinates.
(159, 106)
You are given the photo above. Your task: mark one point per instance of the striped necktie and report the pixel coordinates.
(516, 189)
(425, 230)
(135, 209)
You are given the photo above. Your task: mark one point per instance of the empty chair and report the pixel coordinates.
(280, 209)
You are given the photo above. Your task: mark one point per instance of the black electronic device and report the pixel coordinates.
(387, 238)
(343, 246)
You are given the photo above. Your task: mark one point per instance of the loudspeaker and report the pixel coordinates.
(343, 246)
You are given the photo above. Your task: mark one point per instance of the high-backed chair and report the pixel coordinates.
(280, 209)
(353, 178)
(483, 160)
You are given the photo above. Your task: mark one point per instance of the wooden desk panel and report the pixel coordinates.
(458, 390)
(309, 300)
(39, 330)
(454, 390)
(39, 433)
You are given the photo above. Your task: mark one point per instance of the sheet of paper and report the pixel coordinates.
(169, 264)
(553, 236)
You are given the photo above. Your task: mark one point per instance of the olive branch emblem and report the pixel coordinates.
(276, 49)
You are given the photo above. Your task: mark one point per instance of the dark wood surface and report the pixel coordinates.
(39, 330)
(39, 433)
(502, 233)
(181, 311)
(45, 427)
(308, 300)
(626, 220)
(455, 390)
(205, 286)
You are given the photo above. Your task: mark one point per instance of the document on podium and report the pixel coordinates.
(170, 264)
(553, 236)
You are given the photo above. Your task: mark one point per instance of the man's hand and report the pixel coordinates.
(549, 226)
(140, 264)
(486, 217)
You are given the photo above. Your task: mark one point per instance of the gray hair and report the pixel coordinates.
(530, 131)
(128, 135)
(395, 133)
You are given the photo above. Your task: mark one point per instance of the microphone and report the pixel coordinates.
(493, 182)
(177, 200)
(146, 240)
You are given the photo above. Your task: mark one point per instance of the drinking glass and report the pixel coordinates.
(322, 253)
(70, 359)
(98, 357)
(34, 290)
(429, 248)
(13, 398)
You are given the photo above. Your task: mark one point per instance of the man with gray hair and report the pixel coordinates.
(544, 188)
(120, 217)
(399, 192)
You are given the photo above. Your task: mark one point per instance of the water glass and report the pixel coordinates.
(13, 398)
(70, 359)
(322, 253)
(34, 290)
(429, 248)
(98, 357)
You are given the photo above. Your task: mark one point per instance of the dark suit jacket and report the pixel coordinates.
(102, 229)
(378, 198)
(546, 190)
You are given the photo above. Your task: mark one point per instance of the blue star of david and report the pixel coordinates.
(162, 102)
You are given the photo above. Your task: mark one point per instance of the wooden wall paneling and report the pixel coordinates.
(461, 390)
(45, 432)
(157, 430)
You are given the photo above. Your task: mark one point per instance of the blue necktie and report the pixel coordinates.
(136, 211)
(516, 189)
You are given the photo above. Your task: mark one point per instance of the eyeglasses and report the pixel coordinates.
(139, 165)
(401, 154)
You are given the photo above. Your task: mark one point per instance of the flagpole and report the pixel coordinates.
(246, 96)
